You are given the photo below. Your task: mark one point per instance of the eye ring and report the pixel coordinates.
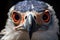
(16, 18)
(46, 16)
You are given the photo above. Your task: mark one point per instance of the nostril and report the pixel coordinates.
(25, 17)
(34, 17)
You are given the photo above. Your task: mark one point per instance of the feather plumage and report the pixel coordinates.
(32, 27)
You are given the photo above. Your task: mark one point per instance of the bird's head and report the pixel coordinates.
(33, 16)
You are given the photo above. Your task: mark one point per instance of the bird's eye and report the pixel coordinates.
(16, 17)
(46, 16)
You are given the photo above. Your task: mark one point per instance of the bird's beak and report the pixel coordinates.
(30, 23)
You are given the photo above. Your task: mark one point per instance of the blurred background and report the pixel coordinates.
(6, 4)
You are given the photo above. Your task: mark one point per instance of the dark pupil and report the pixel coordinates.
(17, 17)
(45, 17)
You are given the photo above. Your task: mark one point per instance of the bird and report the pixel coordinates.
(31, 20)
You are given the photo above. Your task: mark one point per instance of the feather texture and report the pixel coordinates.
(29, 24)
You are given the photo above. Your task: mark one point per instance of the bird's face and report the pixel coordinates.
(26, 19)
(32, 16)
(30, 21)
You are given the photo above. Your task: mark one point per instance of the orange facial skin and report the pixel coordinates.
(15, 21)
(20, 20)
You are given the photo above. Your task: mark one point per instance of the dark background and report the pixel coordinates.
(6, 4)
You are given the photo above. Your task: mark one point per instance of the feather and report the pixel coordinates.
(31, 14)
